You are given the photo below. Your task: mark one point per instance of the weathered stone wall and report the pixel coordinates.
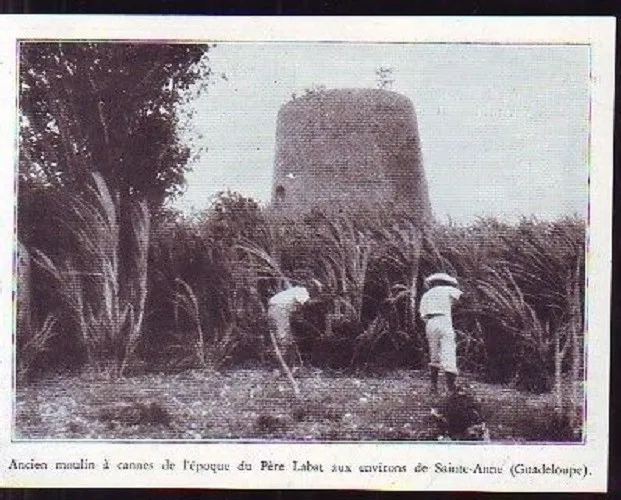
(349, 148)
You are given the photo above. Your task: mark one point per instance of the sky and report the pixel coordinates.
(503, 129)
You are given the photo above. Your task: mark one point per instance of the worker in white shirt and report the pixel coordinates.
(436, 311)
(280, 309)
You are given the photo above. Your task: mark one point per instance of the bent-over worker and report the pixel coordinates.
(280, 309)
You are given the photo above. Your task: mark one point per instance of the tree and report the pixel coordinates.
(110, 108)
(233, 216)
(99, 128)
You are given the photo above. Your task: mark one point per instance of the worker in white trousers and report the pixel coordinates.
(436, 311)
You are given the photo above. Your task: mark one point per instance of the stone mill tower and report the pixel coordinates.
(349, 148)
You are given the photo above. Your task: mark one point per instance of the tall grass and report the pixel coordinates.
(401, 250)
(31, 340)
(206, 351)
(520, 320)
(503, 300)
(32, 344)
(107, 307)
(516, 279)
(344, 254)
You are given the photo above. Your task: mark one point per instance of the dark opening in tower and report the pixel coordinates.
(279, 194)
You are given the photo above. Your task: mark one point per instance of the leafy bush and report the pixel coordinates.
(204, 298)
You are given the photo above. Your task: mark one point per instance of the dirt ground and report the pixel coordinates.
(259, 404)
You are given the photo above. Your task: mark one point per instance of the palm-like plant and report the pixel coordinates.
(503, 299)
(401, 250)
(345, 253)
(211, 351)
(107, 306)
(541, 253)
(36, 342)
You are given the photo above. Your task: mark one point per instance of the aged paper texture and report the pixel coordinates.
(368, 253)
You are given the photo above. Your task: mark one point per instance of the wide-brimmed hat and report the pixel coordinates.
(440, 279)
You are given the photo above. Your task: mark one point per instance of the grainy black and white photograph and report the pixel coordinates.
(301, 241)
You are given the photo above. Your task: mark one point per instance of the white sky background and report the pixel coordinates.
(504, 129)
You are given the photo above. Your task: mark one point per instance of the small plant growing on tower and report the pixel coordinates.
(385, 78)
